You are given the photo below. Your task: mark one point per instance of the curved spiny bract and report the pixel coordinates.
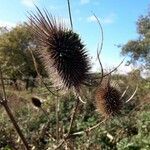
(63, 53)
(108, 100)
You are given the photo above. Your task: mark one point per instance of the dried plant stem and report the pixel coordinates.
(69, 9)
(123, 94)
(99, 49)
(16, 126)
(78, 133)
(36, 69)
(44, 132)
(73, 116)
(57, 118)
(60, 144)
(45, 113)
(113, 70)
(3, 86)
(95, 126)
(70, 125)
(132, 94)
(9, 113)
(90, 128)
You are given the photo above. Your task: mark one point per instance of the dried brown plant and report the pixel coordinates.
(62, 51)
(107, 98)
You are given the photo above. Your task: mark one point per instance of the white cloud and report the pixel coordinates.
(145, 73)
(109, 65)
(28, 3)
(109, 19)
(123, 69)
(91, 19)
(106, 20)
(7, 24)
(84, 2)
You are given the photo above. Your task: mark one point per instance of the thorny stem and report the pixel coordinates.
(9, 113)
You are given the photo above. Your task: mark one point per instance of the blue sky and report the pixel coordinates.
(118, 18)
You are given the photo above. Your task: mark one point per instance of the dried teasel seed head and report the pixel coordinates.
(107, 98)
(36, 102)
(63, 52)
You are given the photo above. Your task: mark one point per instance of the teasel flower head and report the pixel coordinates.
(108, 99)
(62, 51)
(36, 102)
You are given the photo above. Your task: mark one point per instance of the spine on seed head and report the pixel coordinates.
(107, 99)
(63, 53)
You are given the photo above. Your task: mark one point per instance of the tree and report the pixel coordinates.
(139, 50)
(15, 56)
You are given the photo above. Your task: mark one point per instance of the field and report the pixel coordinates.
(56, 92)
(47, 125)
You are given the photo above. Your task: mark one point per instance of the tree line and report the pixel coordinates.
(17, 43)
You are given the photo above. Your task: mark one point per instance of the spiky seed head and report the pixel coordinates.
(108, 100)
(64, 54)
(36, 102)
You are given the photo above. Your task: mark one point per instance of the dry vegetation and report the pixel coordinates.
(46, 129)
(50, 100)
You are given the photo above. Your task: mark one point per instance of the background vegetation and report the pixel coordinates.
(127, 131)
